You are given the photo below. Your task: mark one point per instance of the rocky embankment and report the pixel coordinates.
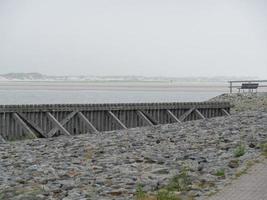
(245, 101)
(111, 165)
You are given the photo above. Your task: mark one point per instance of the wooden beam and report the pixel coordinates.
(155, 122)
(225, 112)
(145, 119)
(87, 123)
(53, 131)
(117, 120)
(200, 114)
(170, 113)
(23, 125)
(186, 114)
(33, 125)
(2, 140)
(57, 124)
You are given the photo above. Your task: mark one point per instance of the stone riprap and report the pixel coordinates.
(245, 101)
(110, 165)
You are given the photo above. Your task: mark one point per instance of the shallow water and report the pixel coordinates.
(83, 96)
(51, 93)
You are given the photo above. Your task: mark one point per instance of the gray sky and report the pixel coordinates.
(134, 37)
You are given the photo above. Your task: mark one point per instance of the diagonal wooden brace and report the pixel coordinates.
(225, 112)
(23, 125)
(2, 140)
(63, 122)
(87, 123)
(57, 124)
(154, 122)
(170, 113)
(33, 125)
(117, 120)
(186, 114)
(145, 119)
(200, 114)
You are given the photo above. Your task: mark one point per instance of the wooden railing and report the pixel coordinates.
(238, 84)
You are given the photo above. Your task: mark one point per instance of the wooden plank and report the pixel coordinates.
(53, 131)
(10, 135)
(87, 123)
(117, 120)
(23, 125)
(33, 125)
(173, 116)
(200, 114)
(57, 124)
(186, 114)
(144, 118)
(225, 112)
(4, 126)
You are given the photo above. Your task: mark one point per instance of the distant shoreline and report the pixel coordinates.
(115, 86)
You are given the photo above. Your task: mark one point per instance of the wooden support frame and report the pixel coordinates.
(57, 124)
(144, 118)
(23, 125)
(87, 123)
(186, 114)
(80, 118)
(2, 140)
(116, 119)
(200, 114)
(225, 112)
(53, 131)
(33, 125)
(170, 113)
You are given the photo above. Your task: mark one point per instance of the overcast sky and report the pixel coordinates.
(134, 37)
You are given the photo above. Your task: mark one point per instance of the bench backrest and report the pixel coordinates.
(249, 86)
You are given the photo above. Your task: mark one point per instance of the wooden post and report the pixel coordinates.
(231, 89)
(3, 122)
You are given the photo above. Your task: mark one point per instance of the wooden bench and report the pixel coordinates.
(248, 86)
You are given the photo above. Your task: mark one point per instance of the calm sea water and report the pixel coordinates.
(44, 92)
(103, 96)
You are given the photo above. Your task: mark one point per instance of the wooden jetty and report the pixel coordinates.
(45, 121)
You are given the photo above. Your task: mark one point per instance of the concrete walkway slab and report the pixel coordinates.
(251, 186)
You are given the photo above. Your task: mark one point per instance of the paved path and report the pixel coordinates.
(251, 186)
